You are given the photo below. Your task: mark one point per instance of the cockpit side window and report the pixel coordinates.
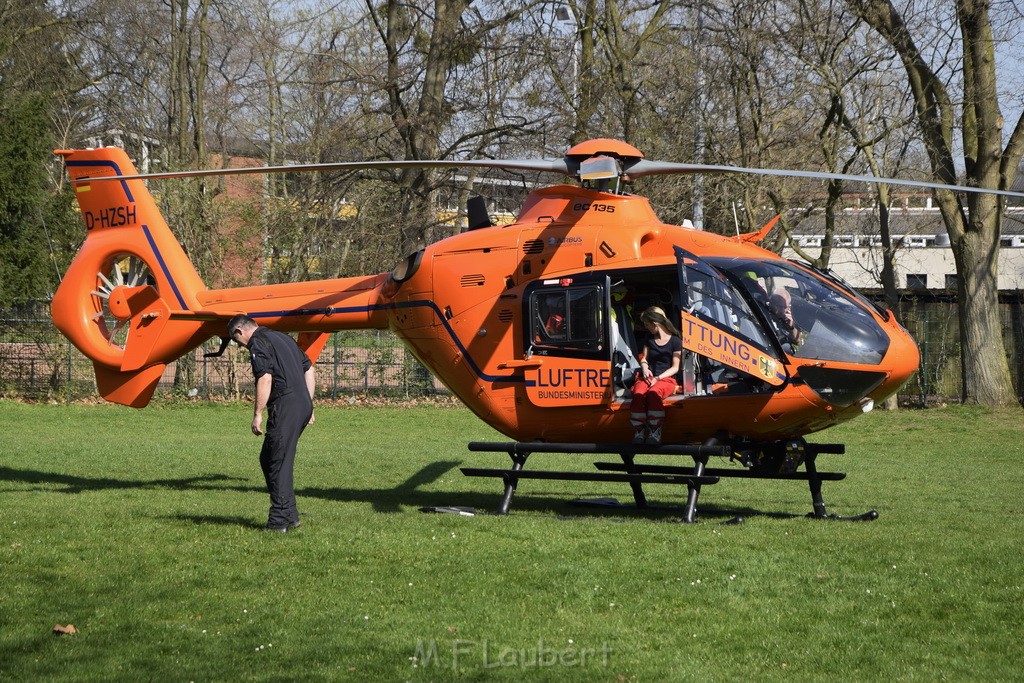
(714, 299)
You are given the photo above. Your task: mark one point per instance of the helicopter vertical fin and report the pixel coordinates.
(115, 300)
(133, 389)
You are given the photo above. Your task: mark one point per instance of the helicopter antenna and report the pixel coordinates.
(49, 242)
(735, 219)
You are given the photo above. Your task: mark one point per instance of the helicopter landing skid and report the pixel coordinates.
(814, 479)
(616, 504)
(637, 474)
(869, 516)
(629, 472)
(797, 452)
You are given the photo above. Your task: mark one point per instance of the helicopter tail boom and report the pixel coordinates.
(116, 301)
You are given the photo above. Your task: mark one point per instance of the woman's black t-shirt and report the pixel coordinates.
(659, 358)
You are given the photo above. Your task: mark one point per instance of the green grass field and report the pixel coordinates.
(141, 528)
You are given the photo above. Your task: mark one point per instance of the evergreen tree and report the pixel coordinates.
(31, 81)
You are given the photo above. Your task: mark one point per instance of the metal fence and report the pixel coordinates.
(37, 363)
(934, 321)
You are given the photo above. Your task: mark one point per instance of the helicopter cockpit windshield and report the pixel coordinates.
(811, 317)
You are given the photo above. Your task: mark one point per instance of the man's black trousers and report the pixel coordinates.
(288, 416)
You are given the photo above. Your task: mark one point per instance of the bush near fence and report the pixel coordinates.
(37, 363)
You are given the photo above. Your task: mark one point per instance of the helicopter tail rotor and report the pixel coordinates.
(128, 300)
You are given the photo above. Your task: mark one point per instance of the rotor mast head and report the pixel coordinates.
(602, 163)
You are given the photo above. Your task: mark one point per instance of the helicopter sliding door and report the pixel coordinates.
(717, 324)
(567, 337)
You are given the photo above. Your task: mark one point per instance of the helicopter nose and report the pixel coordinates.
(844, 387)
(901, 361)
(840, 387)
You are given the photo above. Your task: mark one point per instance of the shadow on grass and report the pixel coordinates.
(579, 509)
(384, 500)
(76, 484)
(393, 499)
(410, 493)
(219, 520)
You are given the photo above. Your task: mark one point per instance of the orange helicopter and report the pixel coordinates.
(533, 325)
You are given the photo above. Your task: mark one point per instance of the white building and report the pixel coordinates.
(924, 260)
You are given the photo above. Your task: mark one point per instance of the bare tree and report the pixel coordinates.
(863, 115)
(425, 47)
(758, 115)
(973, 222)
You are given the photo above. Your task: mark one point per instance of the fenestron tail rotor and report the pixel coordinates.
(116, 300)
(112, 321)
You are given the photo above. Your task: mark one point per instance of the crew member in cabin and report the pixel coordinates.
(660, 360)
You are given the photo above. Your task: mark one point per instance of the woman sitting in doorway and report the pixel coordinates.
(660, 357)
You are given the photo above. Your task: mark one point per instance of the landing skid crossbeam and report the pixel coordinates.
(629, 472)
(636, 475)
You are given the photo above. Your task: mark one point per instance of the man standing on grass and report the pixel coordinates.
(285, 381)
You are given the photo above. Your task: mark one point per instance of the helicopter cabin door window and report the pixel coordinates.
(567, 320)
(719, 325)
(567, 334)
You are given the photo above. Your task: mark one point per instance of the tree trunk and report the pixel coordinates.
(583, 67)
(985, 369)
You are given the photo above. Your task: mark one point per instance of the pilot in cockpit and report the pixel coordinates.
(780, 306)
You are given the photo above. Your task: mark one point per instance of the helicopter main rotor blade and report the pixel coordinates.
(643, 167)
(634, 168)
(539, 165)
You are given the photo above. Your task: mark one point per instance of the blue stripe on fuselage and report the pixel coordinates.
(403, 304)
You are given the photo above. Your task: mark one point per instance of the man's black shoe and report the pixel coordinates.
(276, 529)
(295, 525)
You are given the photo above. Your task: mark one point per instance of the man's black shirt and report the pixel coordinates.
(276, 353)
